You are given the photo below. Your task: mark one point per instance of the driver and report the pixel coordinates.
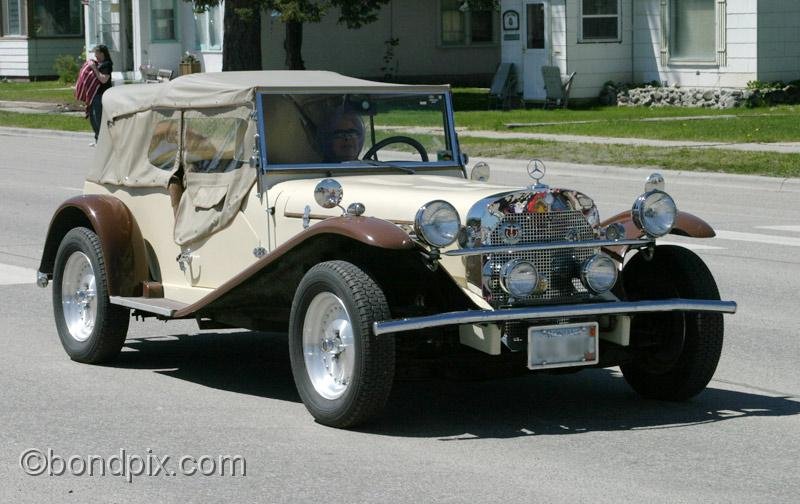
(342, 137)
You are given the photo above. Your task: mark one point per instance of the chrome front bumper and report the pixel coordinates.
(533, 313)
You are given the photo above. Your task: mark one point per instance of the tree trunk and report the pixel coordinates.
(241, 44)
(293, 45)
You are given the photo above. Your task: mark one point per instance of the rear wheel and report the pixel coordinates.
(91, 329)
(676, 354)
(343, 372)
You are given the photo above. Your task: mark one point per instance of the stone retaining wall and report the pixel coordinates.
(653, 96)
(679, 97)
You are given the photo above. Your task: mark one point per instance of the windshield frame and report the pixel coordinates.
(419, 166)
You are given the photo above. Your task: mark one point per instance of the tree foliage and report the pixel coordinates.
(239, 48)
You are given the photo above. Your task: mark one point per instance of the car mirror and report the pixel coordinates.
(480, 172)
(328, 193)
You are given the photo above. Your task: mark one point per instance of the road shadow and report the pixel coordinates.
(590, 401)
(245, 362)
(593, 400)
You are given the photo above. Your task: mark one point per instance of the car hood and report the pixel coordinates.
(392, 197)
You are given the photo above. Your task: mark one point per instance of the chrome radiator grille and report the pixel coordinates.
(560, 269)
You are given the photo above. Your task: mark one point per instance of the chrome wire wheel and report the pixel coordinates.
(79, 296)
(328, 345)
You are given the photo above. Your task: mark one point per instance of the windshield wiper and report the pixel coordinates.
(384, 164)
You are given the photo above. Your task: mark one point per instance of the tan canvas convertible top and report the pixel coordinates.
(197, 132)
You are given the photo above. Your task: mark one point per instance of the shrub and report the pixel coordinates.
(67, 67)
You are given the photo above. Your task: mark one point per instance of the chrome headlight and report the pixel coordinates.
(519, 278)
(654, 213)
(599, 273)
(437, 223)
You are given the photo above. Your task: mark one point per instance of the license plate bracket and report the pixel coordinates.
(563, 345)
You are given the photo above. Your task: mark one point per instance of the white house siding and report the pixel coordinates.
(741, 49)
(418, 57)
(14, 57)
(42, 53)
(598, 62)
(778, 40)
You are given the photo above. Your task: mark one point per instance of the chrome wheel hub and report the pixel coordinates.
(328, 345)
(79, 296)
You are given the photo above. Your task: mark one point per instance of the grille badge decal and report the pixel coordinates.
(511, 233)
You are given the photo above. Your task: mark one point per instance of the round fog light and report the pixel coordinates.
(519, 278)
(599, 274)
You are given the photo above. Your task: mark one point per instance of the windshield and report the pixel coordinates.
(356, 129)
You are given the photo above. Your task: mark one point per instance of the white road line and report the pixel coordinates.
(14, 275)
(758, 238)
(691, 246)
(795, 229)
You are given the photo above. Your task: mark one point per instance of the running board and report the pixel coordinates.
(157, 306)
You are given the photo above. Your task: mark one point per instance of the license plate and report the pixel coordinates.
(563, 345)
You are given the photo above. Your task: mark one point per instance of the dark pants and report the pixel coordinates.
(96, 113)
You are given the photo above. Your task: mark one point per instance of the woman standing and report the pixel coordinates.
(102, 67)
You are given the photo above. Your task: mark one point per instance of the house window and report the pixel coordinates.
(600, 20)
(692, 30)
(57, 18)
(11, 14)
(468, 22)
(162, 17)
(208, 29)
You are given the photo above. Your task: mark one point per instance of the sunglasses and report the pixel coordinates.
(349, 134)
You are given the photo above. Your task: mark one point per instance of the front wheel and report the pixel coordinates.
(682, 349)
(343, 372)
(92, 330)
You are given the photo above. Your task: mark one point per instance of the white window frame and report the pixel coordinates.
(720, 58)
(31, 5)
(206, 26)
(4, 30)
(581, 17)
(467, 41)
(175, 25)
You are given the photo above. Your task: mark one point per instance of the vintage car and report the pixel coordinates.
(341, 212)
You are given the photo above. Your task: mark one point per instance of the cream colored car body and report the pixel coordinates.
(221, 256)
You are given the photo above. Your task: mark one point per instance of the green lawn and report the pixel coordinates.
(41, 91)
(44, 121)
(774, 124)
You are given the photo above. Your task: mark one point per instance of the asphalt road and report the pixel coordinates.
(586, 437)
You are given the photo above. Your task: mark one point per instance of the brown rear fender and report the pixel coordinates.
(123, 247)
(686, 224)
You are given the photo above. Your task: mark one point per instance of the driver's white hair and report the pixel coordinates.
(325, 133)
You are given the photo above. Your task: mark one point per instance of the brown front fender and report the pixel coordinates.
(123, 247)
(274, 275)
(686, 224)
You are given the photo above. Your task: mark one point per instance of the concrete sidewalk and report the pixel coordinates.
(24, 107)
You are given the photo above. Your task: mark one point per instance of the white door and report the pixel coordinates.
(534, 50)
(110, 24)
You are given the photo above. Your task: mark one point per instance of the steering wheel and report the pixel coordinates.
(371, 153)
